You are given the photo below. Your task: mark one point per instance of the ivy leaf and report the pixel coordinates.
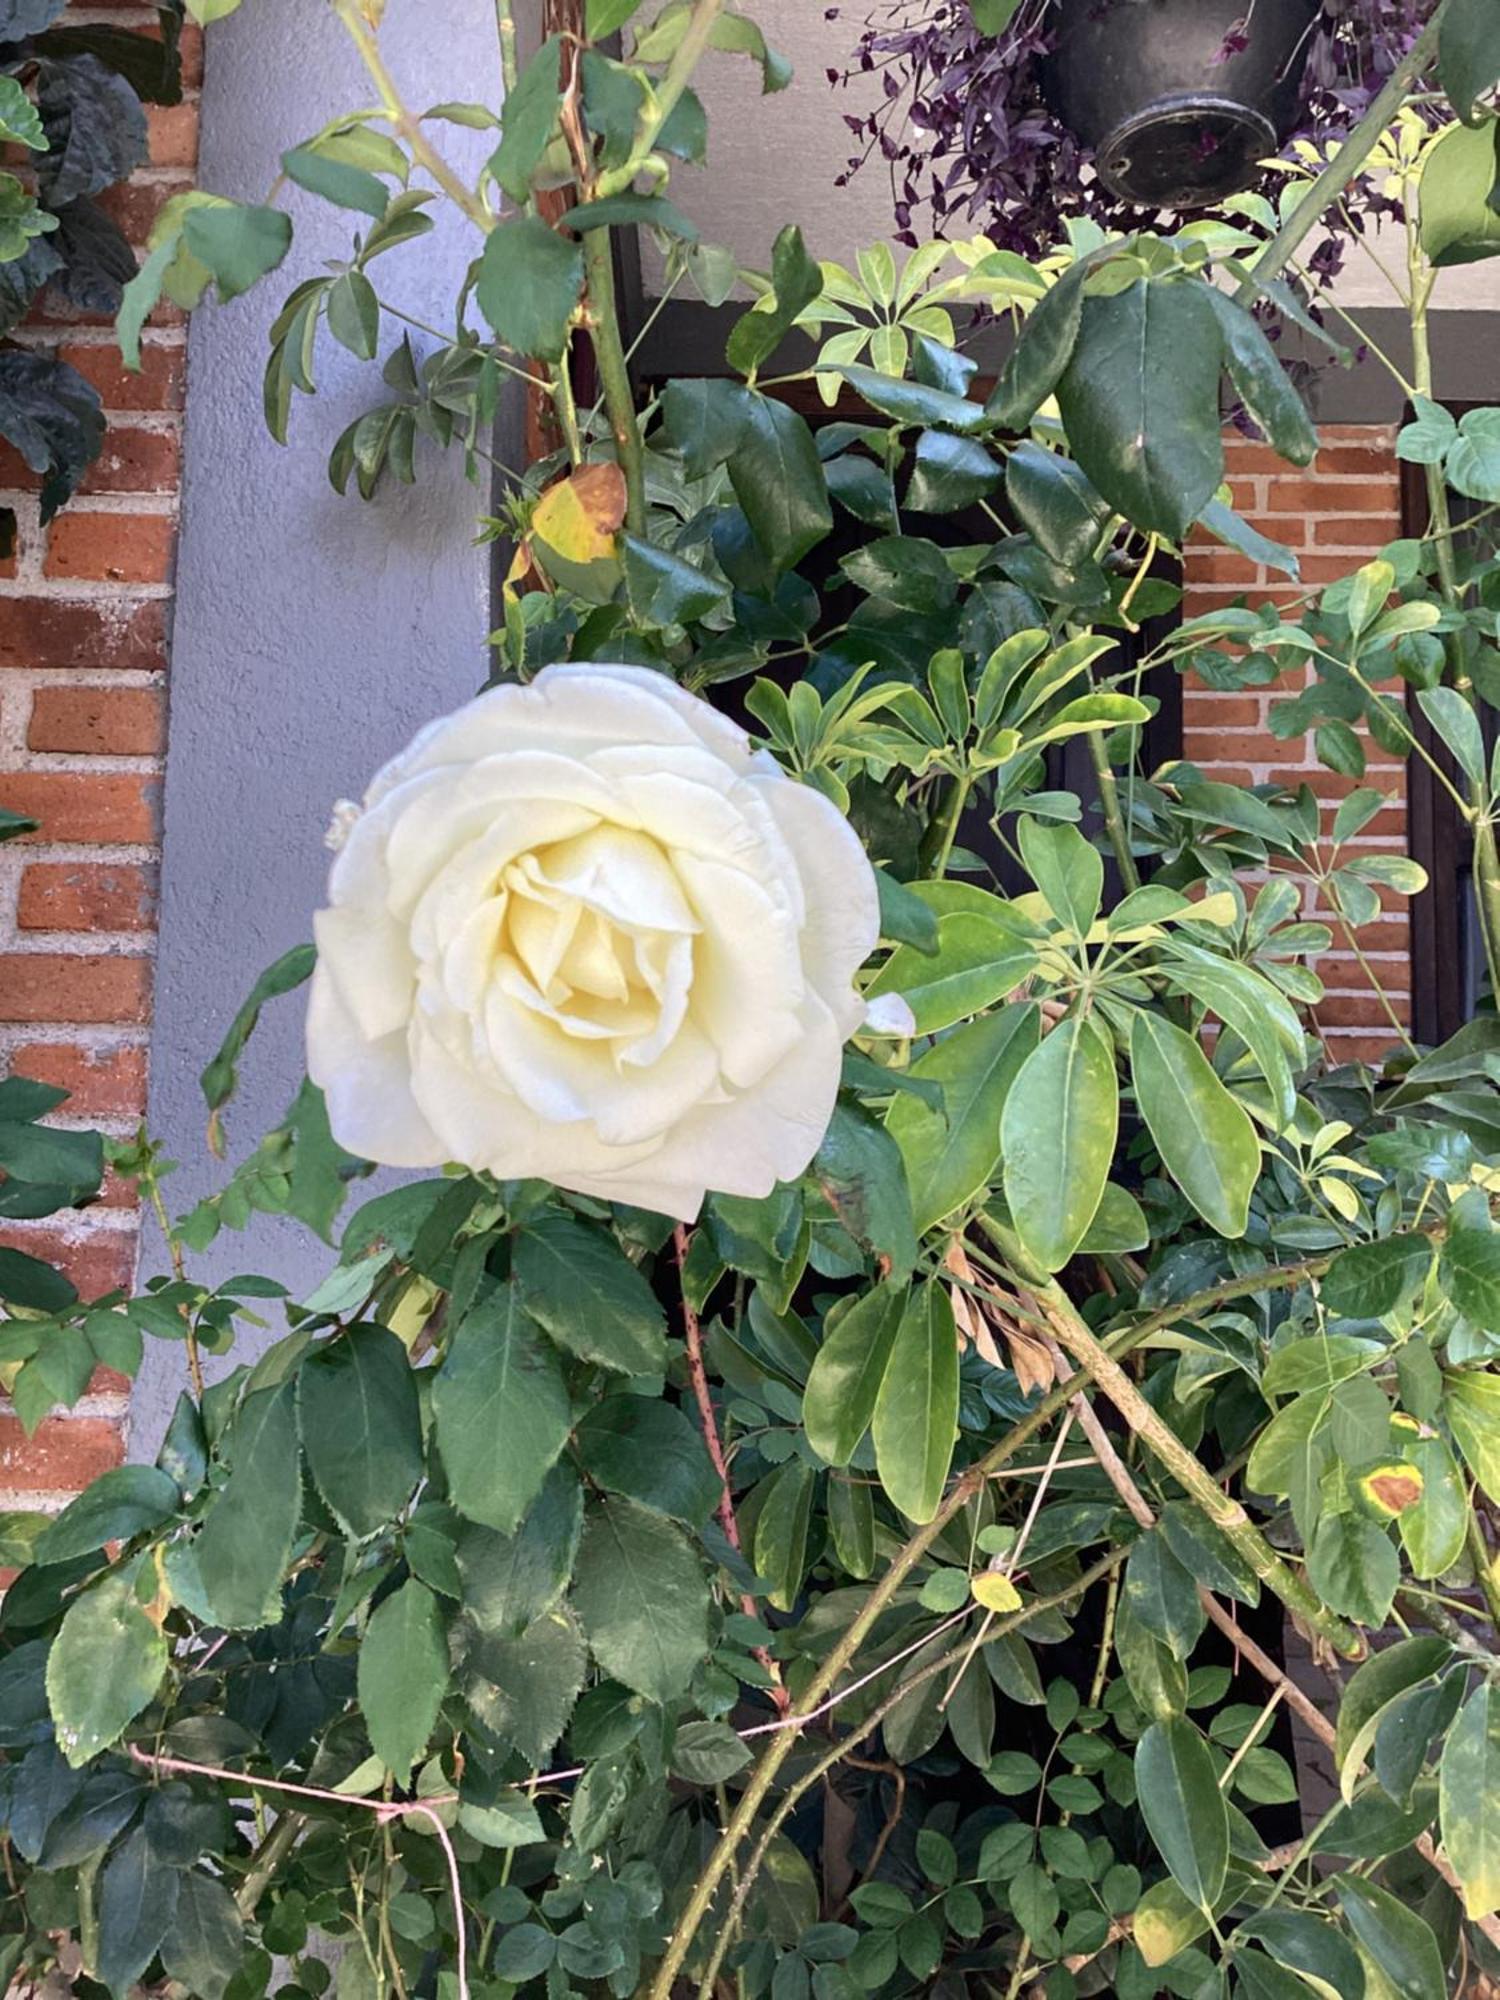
(529, 284)
(1183, 1808)
(1140, 403)
(403, 1676)
(500, 1378)
(916, 1411)
(106, 1663)
(361, 1427)
(1469, 55)
(643, 1599)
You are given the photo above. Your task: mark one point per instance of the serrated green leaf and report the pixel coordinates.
(403, 1675)
(643, 1599)
(500, 1379)
(106, 1663)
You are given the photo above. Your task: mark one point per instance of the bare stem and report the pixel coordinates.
(969, 1483)
(1323, 192)
(614, 373)
(1109, 804)
(702, 1395)
(1227, 1515)
(405, 122)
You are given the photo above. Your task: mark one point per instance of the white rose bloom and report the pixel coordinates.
(583, 932)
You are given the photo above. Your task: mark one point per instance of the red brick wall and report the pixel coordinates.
(84, 616)
(1337, 514)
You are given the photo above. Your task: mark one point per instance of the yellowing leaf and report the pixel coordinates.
(995, 1592)
(580, 516)
(1388, 1490)
(1222, 908)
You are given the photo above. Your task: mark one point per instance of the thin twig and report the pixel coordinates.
(384, 1810)
(692, 1332)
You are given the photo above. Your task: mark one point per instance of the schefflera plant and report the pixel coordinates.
(818, 1597)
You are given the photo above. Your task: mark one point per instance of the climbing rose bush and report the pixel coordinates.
(583, 932)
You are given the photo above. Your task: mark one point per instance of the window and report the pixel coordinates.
(1447, 949)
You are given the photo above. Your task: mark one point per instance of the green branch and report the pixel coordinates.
(794, 1793)
(1323, 192)
(967, 1486)
(1227, 1515)
(614, 373)
(405, 122)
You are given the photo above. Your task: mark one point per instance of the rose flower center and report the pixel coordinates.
(596, 936)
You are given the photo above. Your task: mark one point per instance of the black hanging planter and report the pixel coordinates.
(1177, 112)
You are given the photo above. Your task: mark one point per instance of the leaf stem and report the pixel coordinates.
(968, 1484)
(1013, 1621)
(505, 29)
(703, 1397)
(1227, 1515)
(1323, 192)
(690, 51)
(405, 122)
(614, 372)
(1484, 1566)
(1109, 805)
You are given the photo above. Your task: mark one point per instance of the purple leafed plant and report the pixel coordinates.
(965, 129)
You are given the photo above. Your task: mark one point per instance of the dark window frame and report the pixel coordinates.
(1446, 951)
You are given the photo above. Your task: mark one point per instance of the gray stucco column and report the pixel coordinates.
(313, 633)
